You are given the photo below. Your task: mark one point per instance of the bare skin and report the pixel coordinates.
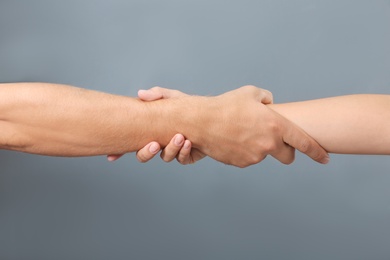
(234, 128)
(178, 147)
(353, 124)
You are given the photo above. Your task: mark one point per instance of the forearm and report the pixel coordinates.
(60, 120)
(355, 124)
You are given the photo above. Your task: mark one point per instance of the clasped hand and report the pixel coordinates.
(241, 131)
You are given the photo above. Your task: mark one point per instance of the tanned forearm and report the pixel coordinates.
(59, 120)
(354, 124)
(234, 128)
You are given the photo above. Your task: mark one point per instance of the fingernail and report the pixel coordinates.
(153, 148)
(141, 91)
(179, 140)
(110, 159)
(325, 160)
(187, 144)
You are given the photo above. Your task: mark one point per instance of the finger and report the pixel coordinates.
(149, 95)
(184, 156)
(189, 155)
(159, 93)
(301, 141)
(114, 157)
(196, 155)
(148, 152)
(172, 149)
(285, 154)
(262, 95)
(266, 96)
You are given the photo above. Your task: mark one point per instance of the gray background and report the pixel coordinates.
(87, 208)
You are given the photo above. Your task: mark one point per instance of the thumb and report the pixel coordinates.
(159, 93)
(262, 95)
(266, 97)
(149, 95)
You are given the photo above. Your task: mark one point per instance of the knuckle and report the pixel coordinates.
(185, 162)
(267, 147)
(181, 159)
(289, 161)
(267, 94)
(142, 158)
(305, 146)
(274, 126)
(241, 166)
(271, 147)
(249, 88)
(252, 159)
(166, 158)
(317, 156)
(259, 159)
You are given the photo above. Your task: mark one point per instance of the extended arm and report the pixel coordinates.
(234, 128)
(354, 124)
(60, 120)
(272, 126)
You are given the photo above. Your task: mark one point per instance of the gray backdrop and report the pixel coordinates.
(87, 208)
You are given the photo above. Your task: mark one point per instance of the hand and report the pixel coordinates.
(238, 128)
(178, 147)
(185, 155)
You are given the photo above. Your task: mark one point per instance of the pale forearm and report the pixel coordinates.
(355, 124)
(60, 120)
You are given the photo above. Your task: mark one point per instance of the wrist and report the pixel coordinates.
(189, 116)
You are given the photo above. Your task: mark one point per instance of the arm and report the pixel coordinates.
(60, 120)
(277, 136)
(354, 124)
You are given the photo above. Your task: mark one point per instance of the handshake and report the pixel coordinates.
(237, 128)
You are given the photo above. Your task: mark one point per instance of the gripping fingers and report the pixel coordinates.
(113, 157)
(184, 156)
(189, 155)
(297, 138)
(173, 148)
(148, 152)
